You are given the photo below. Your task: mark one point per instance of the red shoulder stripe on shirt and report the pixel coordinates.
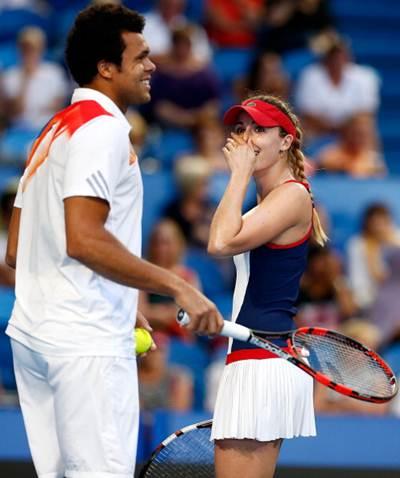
(67, 120)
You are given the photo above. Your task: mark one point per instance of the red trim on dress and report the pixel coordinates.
(251, 354)
(271, 245)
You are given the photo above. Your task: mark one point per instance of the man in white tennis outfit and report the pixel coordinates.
(75, 241)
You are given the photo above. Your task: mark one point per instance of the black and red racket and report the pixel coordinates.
(338, 362)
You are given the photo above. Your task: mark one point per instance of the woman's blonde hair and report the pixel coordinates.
(296, 159)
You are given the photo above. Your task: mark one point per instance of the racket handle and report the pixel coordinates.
(229, 329)
(182, 318)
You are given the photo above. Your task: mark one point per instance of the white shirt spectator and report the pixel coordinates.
(362, 284)
(358, 91)
(44, 87)
(62, 307)
(158, 36)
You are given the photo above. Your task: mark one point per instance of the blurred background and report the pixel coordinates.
(338, 63)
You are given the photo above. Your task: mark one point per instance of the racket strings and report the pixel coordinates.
(189, 455)
(344, 362)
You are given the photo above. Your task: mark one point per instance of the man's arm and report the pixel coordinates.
(89, 242)
(12, 242)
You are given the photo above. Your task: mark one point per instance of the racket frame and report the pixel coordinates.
(260, 339)
(171, 438)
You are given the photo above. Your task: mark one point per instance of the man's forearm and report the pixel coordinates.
(107, 256)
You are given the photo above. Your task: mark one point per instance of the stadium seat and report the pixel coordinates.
(232, 63)
(159, 190)
(7, 174)
(8, 55)
(193, 357)
(206, 267)
(15, 144)
(7, 378)
(170, 144)
(345, 200)
(295, 61)
(13, 20)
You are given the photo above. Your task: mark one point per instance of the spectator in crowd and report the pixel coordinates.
(328, 401)
(162, 386)
(7, 274)
(209, 138)
(184, 89)
(266, 74)
(139, 131)
(166, 16)
(366, 266)
(35, 89)
(386, 306)
(331, 91)
(355, 153)
(167, 248)
(324, 299)
(192, 209)
(295, 24)
(233, 23)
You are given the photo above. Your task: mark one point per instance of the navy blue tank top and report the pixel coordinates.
(267, 286)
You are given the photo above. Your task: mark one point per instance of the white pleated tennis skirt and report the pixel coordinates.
(263, 400)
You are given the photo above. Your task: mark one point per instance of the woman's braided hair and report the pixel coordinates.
(296, 158)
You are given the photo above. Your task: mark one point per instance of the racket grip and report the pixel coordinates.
(229, 329)
(182, 318)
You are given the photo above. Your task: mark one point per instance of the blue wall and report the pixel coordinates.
(348, 442)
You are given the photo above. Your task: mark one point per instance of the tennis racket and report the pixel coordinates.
(187, 452)
(338, 362)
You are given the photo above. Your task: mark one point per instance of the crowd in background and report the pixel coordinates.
(353, 288)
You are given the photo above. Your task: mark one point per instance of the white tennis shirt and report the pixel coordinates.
(62, 307)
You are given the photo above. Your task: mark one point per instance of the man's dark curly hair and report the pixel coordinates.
(96, 36)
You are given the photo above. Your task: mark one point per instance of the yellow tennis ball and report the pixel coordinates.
(143, 340)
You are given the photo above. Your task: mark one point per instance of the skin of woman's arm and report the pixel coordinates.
(277, 214)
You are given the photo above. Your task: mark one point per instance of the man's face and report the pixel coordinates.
(132, 78)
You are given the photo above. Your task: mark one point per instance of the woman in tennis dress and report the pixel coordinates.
(263, 399)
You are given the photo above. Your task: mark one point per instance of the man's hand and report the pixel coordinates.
(204, 315)
(142, 322)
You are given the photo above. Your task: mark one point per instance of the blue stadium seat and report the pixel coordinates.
(392, 356)
(207, 268)
(195, 358)
(12, 21)
(15, 144)
(7, 298)
(232, 63)
(345, 200)
(195, 10)
(370, 8)
(7, 174)
(159, 190)
(170, 144)
(7, 378)
(392, 159)
(295, 61)
(8, 55)
(218, 184)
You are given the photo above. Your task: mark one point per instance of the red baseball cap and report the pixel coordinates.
(262, 113)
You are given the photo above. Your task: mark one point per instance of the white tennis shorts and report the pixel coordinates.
(81, 413)
(264, 400)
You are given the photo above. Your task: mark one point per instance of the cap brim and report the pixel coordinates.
(230, 117)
